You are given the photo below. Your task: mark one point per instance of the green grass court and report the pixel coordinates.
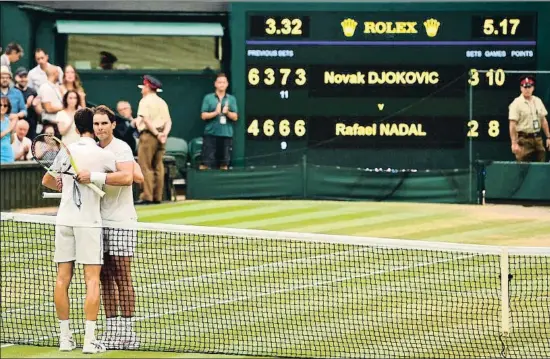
(349, 271)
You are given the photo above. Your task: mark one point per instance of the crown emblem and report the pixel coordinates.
(349, 26)
(432, 26)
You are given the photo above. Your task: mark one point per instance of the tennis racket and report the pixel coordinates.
(48, 150)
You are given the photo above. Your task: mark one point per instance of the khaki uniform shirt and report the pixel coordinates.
(155, 108)
(527, 114)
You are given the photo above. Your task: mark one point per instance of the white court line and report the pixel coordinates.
(286, 290)
(146, 287)
(6, 345)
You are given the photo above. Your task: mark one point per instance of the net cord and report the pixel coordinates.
(295, 236)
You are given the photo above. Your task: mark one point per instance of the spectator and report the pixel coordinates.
(14, 52)
(107, 60)
(17, 102)
(154, 124)
(37, 75)
(124, 110)
(50, 96)
(126, 128)
(46, 146)
(217, 107)
(21, 145)
(71, 81)
(7, 124)
(65, 117)
(31, 100)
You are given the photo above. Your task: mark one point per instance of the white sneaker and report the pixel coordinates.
(66, 344)
(93, 347)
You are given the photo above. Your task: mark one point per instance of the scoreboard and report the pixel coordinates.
(411, 83)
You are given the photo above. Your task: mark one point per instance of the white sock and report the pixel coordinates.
(65, 328)
(89, 334)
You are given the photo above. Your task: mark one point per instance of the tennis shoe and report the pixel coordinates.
(66, 344)
(93, 347)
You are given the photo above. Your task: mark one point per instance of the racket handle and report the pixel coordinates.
(96, 189)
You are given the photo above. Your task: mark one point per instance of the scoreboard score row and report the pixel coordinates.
(384, 79)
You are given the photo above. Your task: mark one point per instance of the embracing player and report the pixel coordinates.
(78, 232)
(117, 206)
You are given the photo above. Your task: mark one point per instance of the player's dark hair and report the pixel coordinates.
(104, 110)
(84, 121)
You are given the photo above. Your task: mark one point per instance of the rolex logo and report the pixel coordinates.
(432, 26)
(349, 26)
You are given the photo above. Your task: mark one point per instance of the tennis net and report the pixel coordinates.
(221, 290)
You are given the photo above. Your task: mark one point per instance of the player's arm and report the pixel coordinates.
(124, 175)
(49, 181)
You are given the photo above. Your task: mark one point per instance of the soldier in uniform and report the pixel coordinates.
(527, 116)
(154, 124)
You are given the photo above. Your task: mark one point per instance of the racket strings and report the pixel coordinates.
(56, 158)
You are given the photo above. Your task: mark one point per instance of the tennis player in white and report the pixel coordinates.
(117, 206)
(78, 235)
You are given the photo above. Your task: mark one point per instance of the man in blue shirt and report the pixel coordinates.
(18, 107)
(219, 111)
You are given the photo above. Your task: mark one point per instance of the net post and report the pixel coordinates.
(505, 299)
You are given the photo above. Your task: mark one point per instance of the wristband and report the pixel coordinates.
(98, 178)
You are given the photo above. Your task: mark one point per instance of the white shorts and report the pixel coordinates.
(81, 244)
(119, 242)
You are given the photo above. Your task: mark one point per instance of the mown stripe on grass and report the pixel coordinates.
(233, 215)
(372, 228)
(282, 223)
(185, 212)
(466, 230)
(264, 217)
(328, 216)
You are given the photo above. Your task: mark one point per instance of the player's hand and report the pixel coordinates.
(515, 148)
(84, 177)
(219, 108)
(59, 183)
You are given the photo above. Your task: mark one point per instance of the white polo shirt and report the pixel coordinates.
(118, 202)
(89, 156)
